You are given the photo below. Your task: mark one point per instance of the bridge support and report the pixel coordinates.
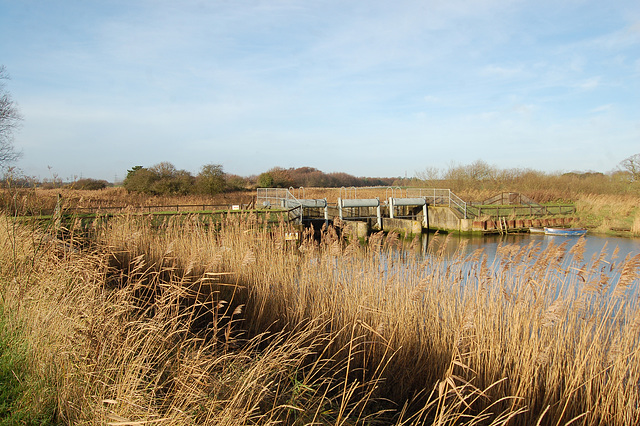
(362, 202)
(413, 202)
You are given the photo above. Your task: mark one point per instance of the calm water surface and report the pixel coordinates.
(489, 243)
(594, 245)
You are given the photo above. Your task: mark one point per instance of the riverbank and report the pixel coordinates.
(609, 215)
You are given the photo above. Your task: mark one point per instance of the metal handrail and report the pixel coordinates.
(458, 202)
(281, 197)
(346, 192)
(276, 195)
(393, 192)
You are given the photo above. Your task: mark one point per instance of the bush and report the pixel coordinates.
(276, 178)
(89, 184)
(236, 183)
(139, 179)
(210, 180)
(161, 179)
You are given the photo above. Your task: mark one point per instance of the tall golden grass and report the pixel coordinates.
(29, 201)
(609, 212)
(193, 322)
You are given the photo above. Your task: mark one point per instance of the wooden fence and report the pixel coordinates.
(173, 208)
(520, 211)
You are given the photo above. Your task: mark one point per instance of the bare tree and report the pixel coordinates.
(632, 165)
(431, 174)
(10, 119)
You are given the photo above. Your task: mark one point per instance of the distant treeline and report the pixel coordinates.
(164, 178)
(472, 181)
(311, 177)
(478, 179)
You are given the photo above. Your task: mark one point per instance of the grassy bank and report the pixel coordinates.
(184, 325)
(610, 214)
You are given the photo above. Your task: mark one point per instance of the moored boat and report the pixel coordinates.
(536, 230)
(569, 232)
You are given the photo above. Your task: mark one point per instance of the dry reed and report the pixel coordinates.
(197, 322)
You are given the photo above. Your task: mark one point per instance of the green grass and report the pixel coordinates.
(25, 399)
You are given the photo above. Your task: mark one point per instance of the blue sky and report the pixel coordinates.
(371, 88)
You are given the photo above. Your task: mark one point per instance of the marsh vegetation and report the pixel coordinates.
(125, 321)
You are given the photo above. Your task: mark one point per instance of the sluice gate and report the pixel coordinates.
(351, 203)
(410, 202)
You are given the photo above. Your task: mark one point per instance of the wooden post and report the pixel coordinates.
(428, 218)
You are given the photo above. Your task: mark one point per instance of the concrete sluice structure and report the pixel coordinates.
(407, 215)
(418, 210)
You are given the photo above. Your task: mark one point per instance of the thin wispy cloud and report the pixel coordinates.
(602, 108)
(589, 84)
(501, 71)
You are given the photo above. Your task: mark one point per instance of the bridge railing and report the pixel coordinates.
(274, 197)
(281, 198)
(522, 210)
(440, 197)
(296, 207)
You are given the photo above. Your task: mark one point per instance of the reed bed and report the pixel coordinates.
(193, 322)
(36, 201)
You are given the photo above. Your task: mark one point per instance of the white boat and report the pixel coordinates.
(567, 232)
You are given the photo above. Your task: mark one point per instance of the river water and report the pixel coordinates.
(603, 256)
(489, 243)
